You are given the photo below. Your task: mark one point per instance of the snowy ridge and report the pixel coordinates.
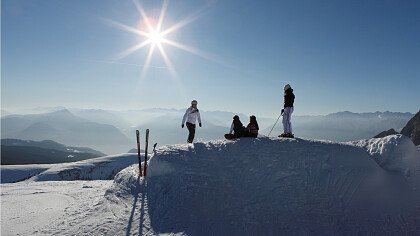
(266, 186)
(101, 168)
(16, 173)
(393, 152)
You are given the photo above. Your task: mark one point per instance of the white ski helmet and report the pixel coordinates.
(286, 87)
(194, 102)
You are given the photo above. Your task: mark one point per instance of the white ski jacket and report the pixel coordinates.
(191, 116)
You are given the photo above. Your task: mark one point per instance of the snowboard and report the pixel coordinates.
(286, 136)
(229, 136)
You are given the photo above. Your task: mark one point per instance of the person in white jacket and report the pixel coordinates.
(192, 114)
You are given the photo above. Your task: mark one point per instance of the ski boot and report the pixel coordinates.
(289, 135)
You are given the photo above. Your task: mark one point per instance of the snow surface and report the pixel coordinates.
(245, 187)
(101, 168)
(33, 208)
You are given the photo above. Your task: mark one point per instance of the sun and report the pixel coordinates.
(155, 37)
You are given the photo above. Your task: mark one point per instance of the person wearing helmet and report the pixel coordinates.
(237, 128)
(192, 114)
(289, 99)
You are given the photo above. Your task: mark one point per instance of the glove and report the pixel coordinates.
(282, 111)
(182, 126)
(199, 124)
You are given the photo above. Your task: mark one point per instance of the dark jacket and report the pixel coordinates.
(238, 127)
(289, 98)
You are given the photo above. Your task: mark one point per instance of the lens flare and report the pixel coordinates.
(154, 36)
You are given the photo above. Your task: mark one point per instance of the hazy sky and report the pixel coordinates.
(360, 55)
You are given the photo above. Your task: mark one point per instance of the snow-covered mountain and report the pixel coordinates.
(248, 186)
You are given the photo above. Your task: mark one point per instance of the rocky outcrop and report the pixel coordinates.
(386, 133)
(412, 129)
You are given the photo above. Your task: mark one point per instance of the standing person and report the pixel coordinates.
(192, 114)
(237, 128)
(289, 99)
(252, 128)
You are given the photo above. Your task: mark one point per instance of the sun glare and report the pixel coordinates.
(155, 37)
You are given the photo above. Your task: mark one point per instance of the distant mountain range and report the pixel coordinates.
(411, 130)
(4, 113)
(114, 131)
(64, 127)
(345, 126)
(18, 152)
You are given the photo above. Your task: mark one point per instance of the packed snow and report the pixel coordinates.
(101, 168)
(248, 186)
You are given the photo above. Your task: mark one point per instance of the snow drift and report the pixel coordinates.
(393, 152)
(269, 186)
(101, 168)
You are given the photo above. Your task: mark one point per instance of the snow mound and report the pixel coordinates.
(101, 168)
(265, 187)
(16, 173)
(393, 153)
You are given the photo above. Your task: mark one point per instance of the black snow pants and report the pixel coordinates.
(191, 130)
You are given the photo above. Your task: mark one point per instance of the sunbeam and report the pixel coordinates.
(126, 28)
(148, 59)
(133, 49)
(162, 15)
(142, 12)
(183, 23)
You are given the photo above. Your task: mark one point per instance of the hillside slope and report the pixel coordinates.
(262, 187)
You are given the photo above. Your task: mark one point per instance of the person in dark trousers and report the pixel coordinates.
(192, 114)
(252, 128)
(289, 99)
(237, 128)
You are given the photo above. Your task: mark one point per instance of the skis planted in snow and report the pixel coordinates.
(138, 151)
(145, 152)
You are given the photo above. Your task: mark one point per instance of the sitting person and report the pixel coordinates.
(237, 128)
(252, 128)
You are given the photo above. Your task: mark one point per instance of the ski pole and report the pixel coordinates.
(154, 147)
(138, 151)
(274, 124)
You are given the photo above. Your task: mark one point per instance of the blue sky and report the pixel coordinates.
(337, 55)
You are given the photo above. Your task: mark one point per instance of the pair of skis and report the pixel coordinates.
(145, 151)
